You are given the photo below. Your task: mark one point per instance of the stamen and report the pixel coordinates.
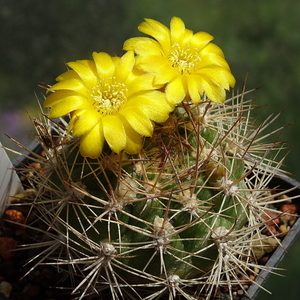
(184, 60)
(108, 96)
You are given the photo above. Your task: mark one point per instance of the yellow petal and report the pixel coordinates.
(84, 71)
(114, 133)
(91, 144)
(176, 90)
(125, 66)
(200, 40)
(133, 143)
(177, 30)
(133, 140)
(151, 63)
(166, 74)
(140, 84)
(231, 80)
(213, 60)
(138, 120)
(58, 96)
(66, 106)
(70, 84)
(143, 46)
(104, 64)
(89, 64)
(85, 122)
(212, 48)
(214, 92)
(67, 75)
(218, 75)
(154, 105)
(188, 34)
(157, 30)
(194, 88)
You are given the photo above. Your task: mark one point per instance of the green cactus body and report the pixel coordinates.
(157, 218)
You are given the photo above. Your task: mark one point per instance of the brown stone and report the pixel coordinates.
(7, 244)
(271, 218)
(288, 210)
(16, 217)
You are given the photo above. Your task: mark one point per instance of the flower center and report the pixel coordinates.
(108, 96)
(184, 60)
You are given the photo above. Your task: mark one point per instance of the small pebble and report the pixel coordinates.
(15, 216)
(272, 230)
(271, 218)
(286, 198)
(283, 228)
(5, 288)
(27, 194)
(292, 221)
(289, 209)
(252, 277)
(7, 244)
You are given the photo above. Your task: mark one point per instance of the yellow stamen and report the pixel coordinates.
(109, 96)
(184, 60)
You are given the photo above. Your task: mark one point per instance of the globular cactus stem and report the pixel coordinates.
(181, 217)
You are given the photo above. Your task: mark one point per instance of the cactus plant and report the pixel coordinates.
(184, 215)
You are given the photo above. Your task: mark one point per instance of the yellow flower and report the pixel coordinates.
(108, 100)
(188, 64)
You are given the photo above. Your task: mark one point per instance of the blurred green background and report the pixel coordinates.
(259, 38)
